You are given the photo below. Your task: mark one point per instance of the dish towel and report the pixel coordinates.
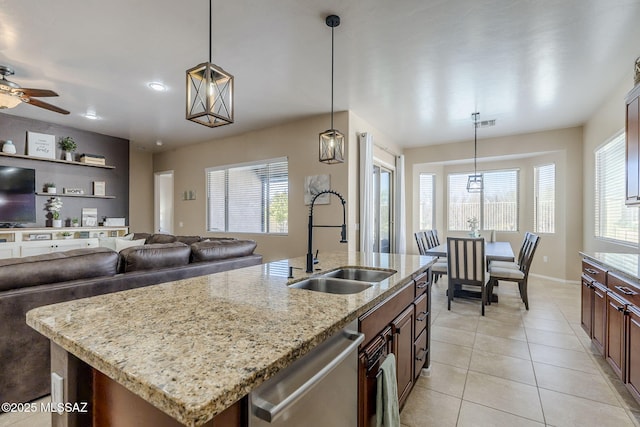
(387, 410)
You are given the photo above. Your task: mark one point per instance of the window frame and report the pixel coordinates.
(536, 197)
(266, 224)
(433, 200)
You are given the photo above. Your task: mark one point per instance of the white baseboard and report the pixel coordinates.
(555, 279)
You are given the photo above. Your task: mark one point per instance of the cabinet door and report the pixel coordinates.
(586, 316)
(615, 333)
(633, 152)
(402, 328)
(36, 248)
(633, 365)
(599, 316)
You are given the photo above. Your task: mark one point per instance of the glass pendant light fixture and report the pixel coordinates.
(474, 184)
(331, 140)
(209, 92)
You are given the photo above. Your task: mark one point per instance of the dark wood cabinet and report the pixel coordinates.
(593, 305)
(398, 325)
(633, 344)
(402, 328)
(615, 333)
(633, 146)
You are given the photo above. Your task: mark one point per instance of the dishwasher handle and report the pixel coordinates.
(269, 411)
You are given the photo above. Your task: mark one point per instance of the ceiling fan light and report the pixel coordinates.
(331, 147)
(9, 101)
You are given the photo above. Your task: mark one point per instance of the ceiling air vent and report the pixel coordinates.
(486, 123)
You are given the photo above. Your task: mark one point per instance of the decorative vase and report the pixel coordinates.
(56, 223)
(8, 147)
(68, 156)
(52, 190)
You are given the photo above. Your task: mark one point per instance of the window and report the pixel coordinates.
(249, 198)
(496, 207)
(613, 220)
(545, 198)
(426, 201)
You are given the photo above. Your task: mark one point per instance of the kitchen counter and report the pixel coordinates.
(625, 264)
(193, 347)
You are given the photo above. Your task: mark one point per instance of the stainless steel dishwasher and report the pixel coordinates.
(319, 389)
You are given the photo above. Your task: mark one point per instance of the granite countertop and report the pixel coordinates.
(194, 347)
(625, 264)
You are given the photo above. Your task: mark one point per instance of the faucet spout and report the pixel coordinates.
(343, 232)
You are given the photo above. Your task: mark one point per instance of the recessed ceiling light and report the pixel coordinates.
(91, 115)
(157, 86)
(159, 143)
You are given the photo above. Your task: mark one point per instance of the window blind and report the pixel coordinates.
(248, 198)
(496, 207)
(427, 208)
(613, 220)
(544, 198)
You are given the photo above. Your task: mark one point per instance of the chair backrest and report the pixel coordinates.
(530, 250)
(525, 243)
(428, 236)
(420, 242)
(466, 261)
(436, 239)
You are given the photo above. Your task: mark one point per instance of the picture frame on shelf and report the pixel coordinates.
(89, 217)
(99, 188)
(41, 145)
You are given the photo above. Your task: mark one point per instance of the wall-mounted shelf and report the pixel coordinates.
(89, 196)
(42, 159)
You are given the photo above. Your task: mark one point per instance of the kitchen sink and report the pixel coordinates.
(360, 274)
(332, 285)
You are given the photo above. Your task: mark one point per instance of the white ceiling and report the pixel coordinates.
(414, 69)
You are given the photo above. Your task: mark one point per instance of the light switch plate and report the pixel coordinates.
(57, 389)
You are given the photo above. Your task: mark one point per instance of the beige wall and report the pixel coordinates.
(606, 122)
(140, 190)
(524, 152)
(298, 141)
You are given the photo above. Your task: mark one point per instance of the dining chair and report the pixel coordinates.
(440, 267)
(422, 250)
(519, 275)
(515, 264)
(466, 267)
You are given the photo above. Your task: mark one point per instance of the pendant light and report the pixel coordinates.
(209, 92)
(331, 140)
(474, 184)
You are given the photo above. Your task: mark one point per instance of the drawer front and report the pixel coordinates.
(623, 288)
(422, 314)
(421, 353)
(594, 272)
(422, 283)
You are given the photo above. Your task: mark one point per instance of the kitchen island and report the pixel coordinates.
(193, 348)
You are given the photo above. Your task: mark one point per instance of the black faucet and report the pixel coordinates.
(343, 234)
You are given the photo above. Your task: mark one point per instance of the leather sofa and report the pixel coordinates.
(30, 282)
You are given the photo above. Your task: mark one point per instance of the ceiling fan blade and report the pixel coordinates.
(45, 105)
(38, 92)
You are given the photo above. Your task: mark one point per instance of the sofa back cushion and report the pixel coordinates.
(160, 238)
(221, 249)
(154, 256)
(187, 240)
(57, 267)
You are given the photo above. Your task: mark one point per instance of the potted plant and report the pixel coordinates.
(50, 188)
(68, 145)
(75, 222)
(67, 235)
(54, 206)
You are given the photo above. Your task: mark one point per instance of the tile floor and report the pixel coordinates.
(514, 367)
(510, 368)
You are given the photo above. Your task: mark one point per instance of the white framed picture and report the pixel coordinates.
(99, 188)
(89, 217)
(41, 145)
(313, 185)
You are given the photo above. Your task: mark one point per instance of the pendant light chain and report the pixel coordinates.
(210, 31)
(332, 28)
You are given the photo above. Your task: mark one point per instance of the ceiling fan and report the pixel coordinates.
(11, 94)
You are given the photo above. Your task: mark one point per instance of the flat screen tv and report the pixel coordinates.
(17, 195)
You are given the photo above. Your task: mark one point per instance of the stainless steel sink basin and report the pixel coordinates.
(332, 285)
(360, 274)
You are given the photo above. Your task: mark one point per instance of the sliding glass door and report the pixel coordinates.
(383, 202)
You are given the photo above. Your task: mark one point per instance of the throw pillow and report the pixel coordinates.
(107, 242)
(123, 244)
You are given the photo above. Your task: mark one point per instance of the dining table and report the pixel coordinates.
(493, 251)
